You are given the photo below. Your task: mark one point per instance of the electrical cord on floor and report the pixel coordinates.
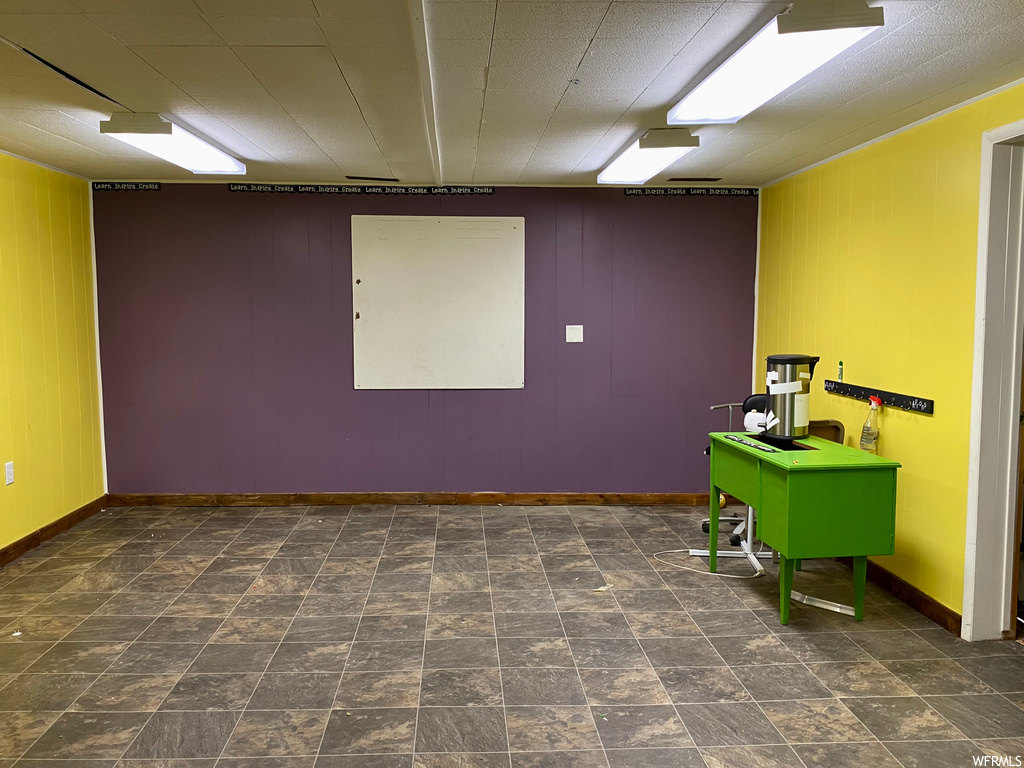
(657, 557)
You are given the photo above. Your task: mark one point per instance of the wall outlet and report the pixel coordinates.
(574, 334)
(8, 473)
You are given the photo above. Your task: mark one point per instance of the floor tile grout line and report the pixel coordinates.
(426, 622)
(494, 624)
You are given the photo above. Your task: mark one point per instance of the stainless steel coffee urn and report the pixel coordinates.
(789, 394)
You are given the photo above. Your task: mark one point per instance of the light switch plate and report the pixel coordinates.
(8, 473)
(574, 334)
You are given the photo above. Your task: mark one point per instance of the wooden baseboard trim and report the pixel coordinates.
(25, 544)
(945, 617)
(915, 598)
(324, 499)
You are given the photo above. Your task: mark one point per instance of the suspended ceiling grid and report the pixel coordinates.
(466, 91)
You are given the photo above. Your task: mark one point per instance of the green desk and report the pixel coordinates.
(831, 501)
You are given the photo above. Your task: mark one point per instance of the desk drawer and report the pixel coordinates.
(736, 473)
(837, 514)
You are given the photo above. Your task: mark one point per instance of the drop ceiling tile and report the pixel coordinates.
(525, 102)
(213, 77)
(496, 174)
(614, 63)
(549, 20)
(343, 35)
(537, 54)
(459, 54)
(257, 7)
(157, 28)
(459, 170)
(385, 23)
(465, 80)
(460, 21)
(515, 78)
(280, 137)
(302, 80)
(391, 69)
(644, 20)
(976, 16)
(340, 136)
(898, 14)
(267, 30)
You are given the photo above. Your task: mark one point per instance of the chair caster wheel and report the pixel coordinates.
(734, 540)
(706, 527)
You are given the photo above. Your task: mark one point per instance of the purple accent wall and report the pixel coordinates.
(226, 346)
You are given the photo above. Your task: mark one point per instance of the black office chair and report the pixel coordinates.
(757, 403)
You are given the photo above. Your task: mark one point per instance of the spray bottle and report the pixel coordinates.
(869, 435)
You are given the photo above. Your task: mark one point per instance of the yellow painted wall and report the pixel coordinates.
(49, 395)
(871, 259)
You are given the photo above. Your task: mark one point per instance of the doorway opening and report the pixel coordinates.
(993, 535)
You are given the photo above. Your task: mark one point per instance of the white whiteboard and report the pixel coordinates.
(438, 302)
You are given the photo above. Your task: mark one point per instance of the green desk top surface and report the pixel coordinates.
(827, 455)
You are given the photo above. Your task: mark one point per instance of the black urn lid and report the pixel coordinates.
(792, 359)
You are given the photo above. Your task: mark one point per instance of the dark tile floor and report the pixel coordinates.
(465, 637)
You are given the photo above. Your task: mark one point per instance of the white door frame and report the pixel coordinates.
(996, 390)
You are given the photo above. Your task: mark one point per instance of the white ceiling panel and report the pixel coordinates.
(549, 21)
(214, 77)
(278, 136)
(646, 20)
(460, 21)
(157, 28)
(379, 23)
(538, 54)
(302, 80)
(267, 30)
(343, 137)
(446, 55)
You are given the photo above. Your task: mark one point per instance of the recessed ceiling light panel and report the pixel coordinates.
(769, 63)
(170, 142)
(639, 163)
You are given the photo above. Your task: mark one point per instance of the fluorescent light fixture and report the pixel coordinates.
(788, 49)
(648, 156)
(152, 134)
